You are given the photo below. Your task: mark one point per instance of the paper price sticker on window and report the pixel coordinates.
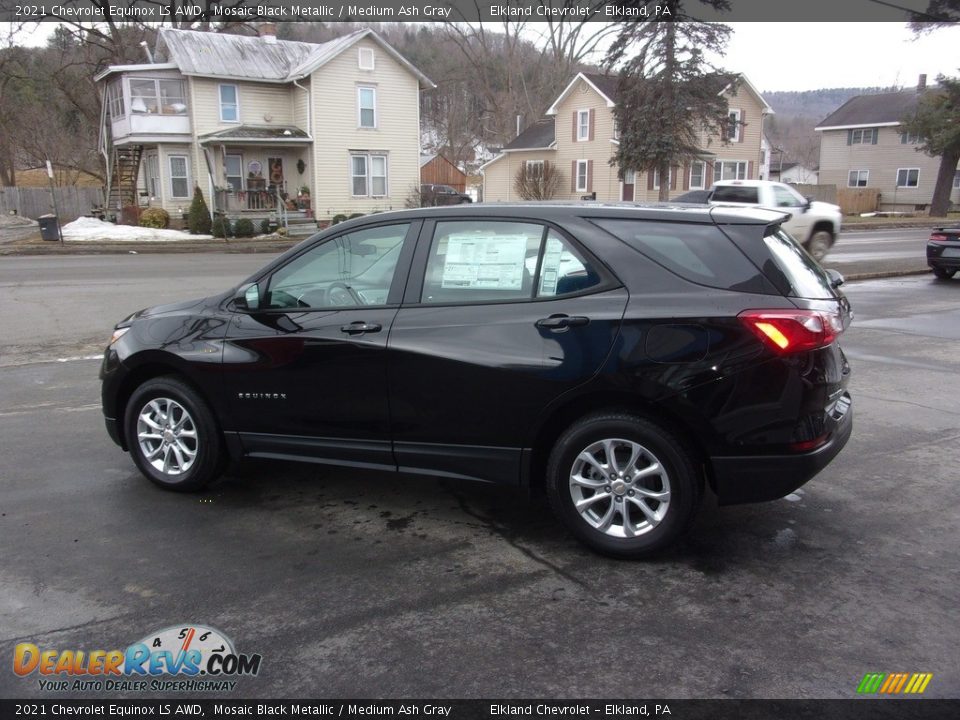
(489, 263)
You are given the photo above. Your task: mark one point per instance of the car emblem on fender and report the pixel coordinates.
(262, 396)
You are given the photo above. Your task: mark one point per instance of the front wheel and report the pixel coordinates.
(172, 435)
(819, 244)
(942, 274)
(622, 485)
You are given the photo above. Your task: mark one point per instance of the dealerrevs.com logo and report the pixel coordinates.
(187, 658)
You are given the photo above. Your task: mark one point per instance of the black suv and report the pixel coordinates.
(433, 195)
(618, 356)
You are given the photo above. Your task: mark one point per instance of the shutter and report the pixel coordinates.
(574, 125)
(686, 176)
(650, 179)
(590, 174)
(674, 171)
(750, 170)
(849, 137)
(875, 133)
(573, 174)
(741, 126)
(593, 116)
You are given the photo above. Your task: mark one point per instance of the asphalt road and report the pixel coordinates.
(358, 584)
(857, 251)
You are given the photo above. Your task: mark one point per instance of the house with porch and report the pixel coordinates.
(263, 126)
(578, 136)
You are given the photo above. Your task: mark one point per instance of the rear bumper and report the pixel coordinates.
(747, 479)
(942, 263)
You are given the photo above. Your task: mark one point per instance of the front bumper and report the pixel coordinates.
(758, 478)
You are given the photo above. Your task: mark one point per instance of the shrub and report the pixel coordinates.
(243, 228)
(355, 215)
(221, 227)
(265, 226)
(338, 218)
(130, 215)
(198, 221)
(156, 218)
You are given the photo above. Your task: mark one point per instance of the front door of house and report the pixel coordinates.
(629, 177)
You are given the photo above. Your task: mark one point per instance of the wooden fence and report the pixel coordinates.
(821, 193)
(853, 201)
(72, 202)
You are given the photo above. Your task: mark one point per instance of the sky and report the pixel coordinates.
(805, 56)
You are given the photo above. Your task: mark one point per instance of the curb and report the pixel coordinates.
(883, 274)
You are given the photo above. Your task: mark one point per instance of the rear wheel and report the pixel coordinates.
(172, 435)
(942, 274)
(622, 485)
(819, 244)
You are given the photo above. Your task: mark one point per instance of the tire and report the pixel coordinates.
(646, 444)
(819, 244)
(184, 454)
(942, 274)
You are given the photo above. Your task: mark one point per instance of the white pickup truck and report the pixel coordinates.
(815, 225)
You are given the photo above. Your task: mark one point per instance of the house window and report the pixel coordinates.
(908, 177)
(534, 169)
(153, 175)
(233, 171)
(729, 170)
(368, 175)
(697, 175)
(734, 127)
(616, 130)
(909, 139)
(115, 100)
(956, 179)
(229, 103)
(583, 125)
(656, 178)
(179, 177)
(863, 137)
(366, 61)
(366, 107)
(858, 178)
(581, 176)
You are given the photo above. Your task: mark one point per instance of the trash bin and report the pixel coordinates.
(49, 227)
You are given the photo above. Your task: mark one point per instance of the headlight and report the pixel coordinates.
(117, 334)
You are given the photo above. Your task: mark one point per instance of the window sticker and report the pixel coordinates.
(550, 271)
(488, 263)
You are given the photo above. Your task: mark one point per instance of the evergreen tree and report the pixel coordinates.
(937, 122)
(198, 221)
(669, 97)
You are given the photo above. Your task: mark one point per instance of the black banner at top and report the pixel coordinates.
(478, 10)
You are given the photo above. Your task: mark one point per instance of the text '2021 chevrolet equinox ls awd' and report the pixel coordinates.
(621, 357)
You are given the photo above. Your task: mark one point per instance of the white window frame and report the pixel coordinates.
(530, 164)
(583, 129)
(656, 178)
(956, 179)
(368, 53)
(236, 103)
(241, 175)
(372, 176)
(866, 178)
(368, 176)
(703, 175)
(585, 164)
(152, 171)
(365, 176)
(740, 165)
(736, 114)
(186, 165)
(909, 138)
(862, 136)
(908, 171)
(360, 108)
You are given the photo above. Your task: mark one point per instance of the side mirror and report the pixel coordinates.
(247, 297)
(808, 203)
(836, 279)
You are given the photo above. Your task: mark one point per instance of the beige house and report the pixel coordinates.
(263, 125)
(578, 136)
(862, 146)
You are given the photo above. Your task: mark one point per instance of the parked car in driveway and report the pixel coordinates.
(621, 357)
(815, 225)
(433, 195)
(694, 196)
(943, 252)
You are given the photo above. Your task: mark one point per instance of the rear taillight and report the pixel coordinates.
(791, 331)
(937, 236)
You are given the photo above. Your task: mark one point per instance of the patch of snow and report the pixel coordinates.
(91, 229)
(16, 221)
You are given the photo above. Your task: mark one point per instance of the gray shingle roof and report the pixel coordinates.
(869, 110)
(538, 136)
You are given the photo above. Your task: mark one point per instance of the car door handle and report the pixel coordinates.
(560, 322)
(355, 328)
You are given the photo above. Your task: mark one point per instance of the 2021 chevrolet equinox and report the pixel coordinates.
(621, 357)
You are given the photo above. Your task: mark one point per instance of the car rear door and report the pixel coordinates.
(500, 317)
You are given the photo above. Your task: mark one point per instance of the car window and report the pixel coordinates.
(735, 193)
(807, 278)
(785, 198)
(349, 270)
(563, 270)
(697, 252)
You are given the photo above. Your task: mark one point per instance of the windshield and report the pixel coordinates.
(806, 277)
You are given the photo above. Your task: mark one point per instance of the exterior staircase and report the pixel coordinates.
(122, 182)
(299, 225)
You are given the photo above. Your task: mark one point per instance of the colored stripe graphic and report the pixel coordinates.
(894, 683)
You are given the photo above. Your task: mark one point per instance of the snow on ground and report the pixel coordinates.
(16, 221)
(91, 229)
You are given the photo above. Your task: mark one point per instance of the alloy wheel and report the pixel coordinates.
(167, 436)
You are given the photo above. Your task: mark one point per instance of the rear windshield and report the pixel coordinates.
(735, 193)
(805, 275)
(697, 252)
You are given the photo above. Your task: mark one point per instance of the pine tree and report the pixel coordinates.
(937, 122)
(669, 97)
(198, 221)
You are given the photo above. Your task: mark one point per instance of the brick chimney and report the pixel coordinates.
(921, 83)
(267, 31)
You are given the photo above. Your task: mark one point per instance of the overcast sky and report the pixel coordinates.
(808, 56)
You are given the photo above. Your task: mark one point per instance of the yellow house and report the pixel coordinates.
(579, 137)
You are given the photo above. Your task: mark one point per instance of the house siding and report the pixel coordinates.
(498, 176)
(882, 161)
(598, 148)
(337, 135)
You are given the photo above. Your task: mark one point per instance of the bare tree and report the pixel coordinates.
(535, 181)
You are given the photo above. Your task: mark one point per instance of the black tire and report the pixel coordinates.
(680, 477)
(819, 244)
(208, 444)
(942, 274)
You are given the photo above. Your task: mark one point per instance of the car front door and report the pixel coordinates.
(499, 319)
(306, 367)
(788, 200)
